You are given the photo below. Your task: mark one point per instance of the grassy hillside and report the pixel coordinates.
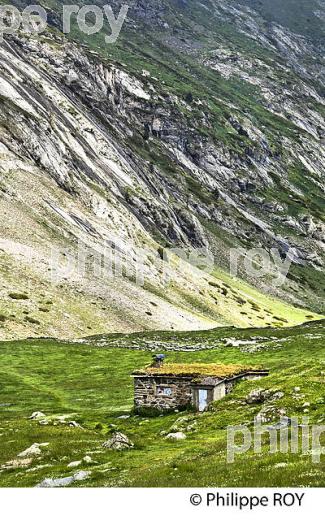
(94, 388)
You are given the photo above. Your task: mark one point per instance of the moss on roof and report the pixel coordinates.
(197, 369)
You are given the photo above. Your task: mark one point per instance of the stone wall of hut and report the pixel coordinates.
(154, 392)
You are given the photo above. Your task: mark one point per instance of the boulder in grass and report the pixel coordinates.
(44, 422)
(55, 482)
(33, 451)
(37, 415)
(75, 464)
(64, 481)
(81, 475)
(177, 436)
(118, 442)
(277, 395)
(258, 396)
(74, 424)
(17, 463)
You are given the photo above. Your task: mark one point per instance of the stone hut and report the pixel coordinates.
(179, 386)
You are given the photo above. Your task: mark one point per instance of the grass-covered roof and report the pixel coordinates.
(197, 369)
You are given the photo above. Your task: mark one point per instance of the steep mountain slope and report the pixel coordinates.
(249, 115)
(182, 134)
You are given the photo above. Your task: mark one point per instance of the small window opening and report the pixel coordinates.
(164, 390)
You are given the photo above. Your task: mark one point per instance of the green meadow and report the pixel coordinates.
(90, 382)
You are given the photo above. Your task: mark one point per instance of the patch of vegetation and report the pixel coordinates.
(32, 320)
(18, 296)
(197, 369)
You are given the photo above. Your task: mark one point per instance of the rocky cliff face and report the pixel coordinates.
(203, 127)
